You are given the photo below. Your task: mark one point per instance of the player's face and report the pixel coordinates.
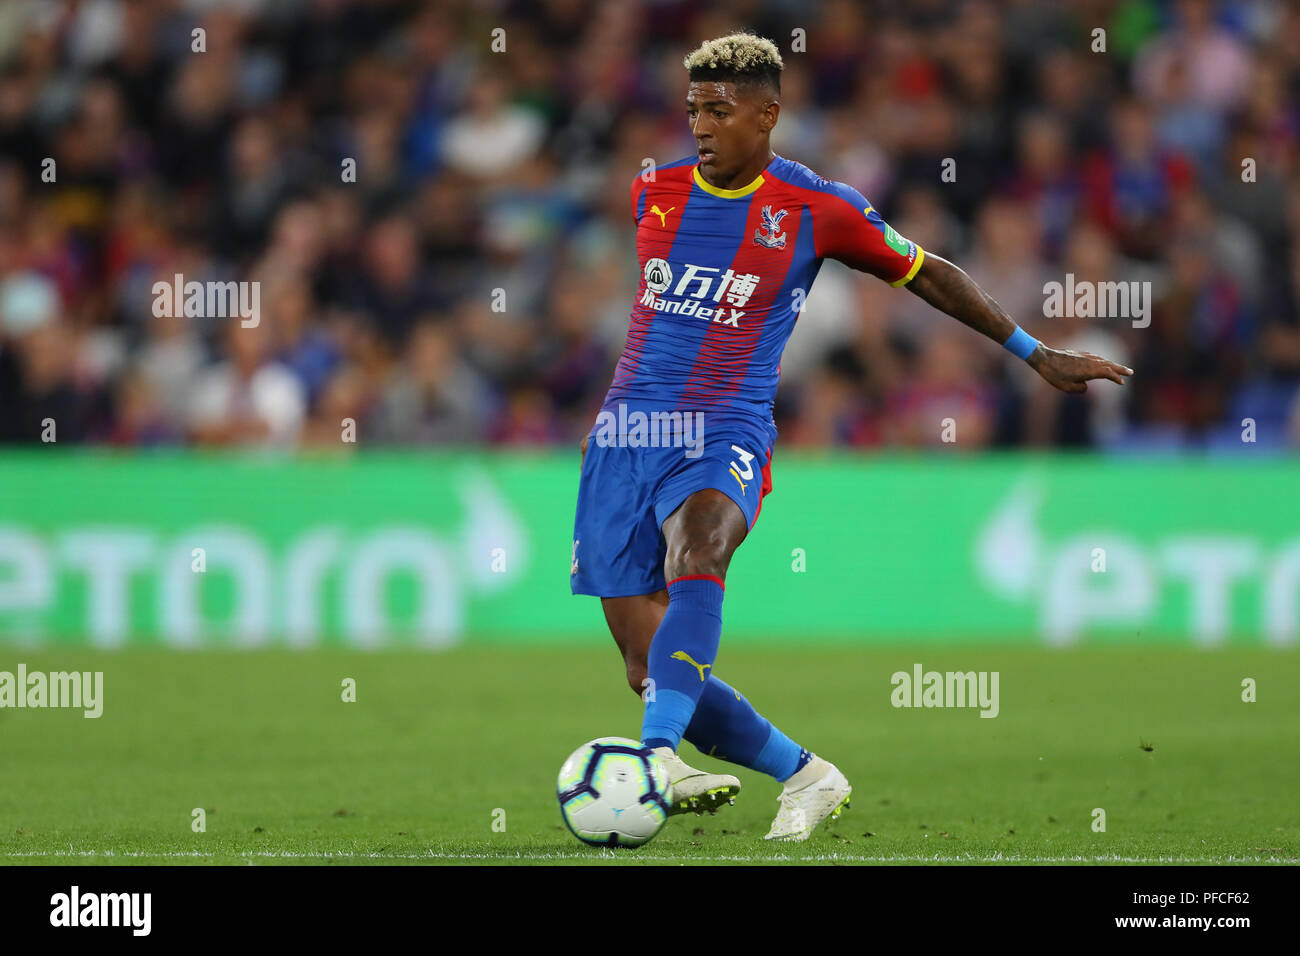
(730, 128)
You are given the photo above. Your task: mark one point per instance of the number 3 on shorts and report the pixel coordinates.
(744, 469)
(743, 472)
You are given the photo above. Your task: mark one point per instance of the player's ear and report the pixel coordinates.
(771, 113)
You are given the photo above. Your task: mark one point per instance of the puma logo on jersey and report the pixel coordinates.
(683, 656)
(663, 216)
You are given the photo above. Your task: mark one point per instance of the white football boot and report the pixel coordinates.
(695, 791)
(816, 793)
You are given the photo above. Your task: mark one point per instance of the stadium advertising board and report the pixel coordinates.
(435, 550)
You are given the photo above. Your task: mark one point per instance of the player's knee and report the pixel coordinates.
(705, 555)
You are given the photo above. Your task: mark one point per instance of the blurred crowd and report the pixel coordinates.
(472, 282)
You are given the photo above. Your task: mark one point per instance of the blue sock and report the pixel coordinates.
(681, 654)
(728, 727)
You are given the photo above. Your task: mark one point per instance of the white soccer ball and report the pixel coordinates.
(614, 792)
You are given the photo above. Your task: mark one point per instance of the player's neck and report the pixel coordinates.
(746, 174)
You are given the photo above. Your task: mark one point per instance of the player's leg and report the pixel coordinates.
(702, 534)
(728, 727)
(725, 725)
(628, 556)
(618, 554)
(633, 622)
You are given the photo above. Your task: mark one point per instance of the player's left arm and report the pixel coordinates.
(847, 228)
(949, 289)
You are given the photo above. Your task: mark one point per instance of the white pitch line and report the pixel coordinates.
(632, 856)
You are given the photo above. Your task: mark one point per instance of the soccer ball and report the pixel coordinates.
(613, 792)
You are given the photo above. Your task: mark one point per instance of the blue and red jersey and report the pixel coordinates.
(724, 275)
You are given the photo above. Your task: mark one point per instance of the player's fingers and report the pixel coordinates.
(1103, 368)
(1108, 364)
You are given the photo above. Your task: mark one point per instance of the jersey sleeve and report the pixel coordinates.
(847, 228)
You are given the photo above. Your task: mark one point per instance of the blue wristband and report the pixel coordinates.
(1021, 344)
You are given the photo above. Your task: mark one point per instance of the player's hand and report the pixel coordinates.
(584, 449)
(1070, 371)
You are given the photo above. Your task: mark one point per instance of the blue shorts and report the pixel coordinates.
(626, 494)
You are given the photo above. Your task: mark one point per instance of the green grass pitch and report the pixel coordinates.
(436, 743)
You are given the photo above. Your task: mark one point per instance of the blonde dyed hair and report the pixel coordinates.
(744, 54)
